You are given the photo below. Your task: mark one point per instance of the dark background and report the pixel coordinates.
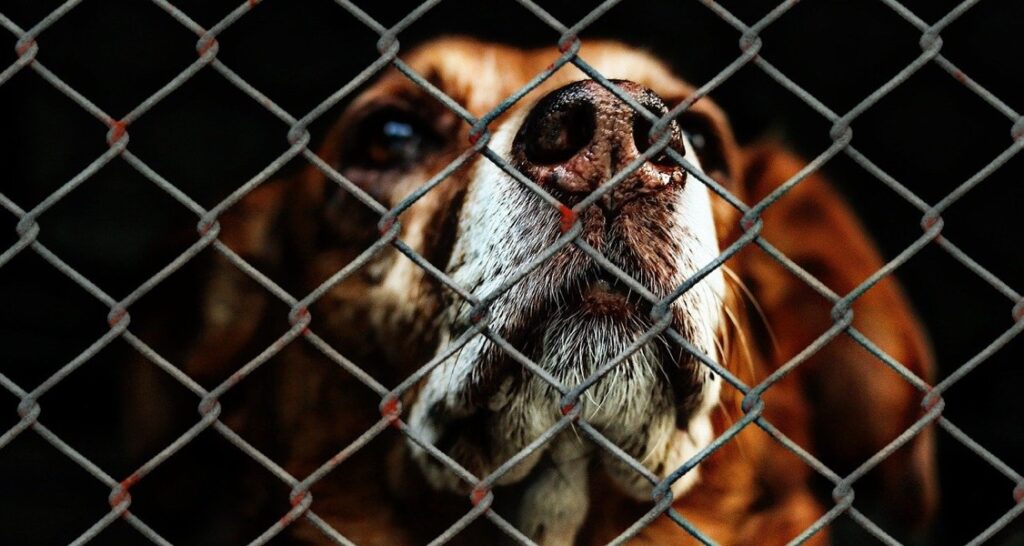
(207, 138)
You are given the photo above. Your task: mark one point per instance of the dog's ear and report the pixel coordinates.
(232, 305)
(857, 404)
(272, 223)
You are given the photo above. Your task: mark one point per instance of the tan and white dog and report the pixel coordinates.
(480, 226)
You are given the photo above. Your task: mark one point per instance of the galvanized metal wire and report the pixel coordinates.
(28, 42)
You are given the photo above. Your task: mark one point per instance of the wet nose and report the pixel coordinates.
(580, 135)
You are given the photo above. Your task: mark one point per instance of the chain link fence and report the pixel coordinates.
(30, 218)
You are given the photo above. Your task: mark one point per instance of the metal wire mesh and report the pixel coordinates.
(28, 44)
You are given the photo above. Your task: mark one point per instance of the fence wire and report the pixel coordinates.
(27, 47)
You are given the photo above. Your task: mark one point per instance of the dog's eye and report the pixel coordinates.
(701, 133)
(698, 140)
(390, 138)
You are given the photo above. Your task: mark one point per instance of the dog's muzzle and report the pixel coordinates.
(570, 315)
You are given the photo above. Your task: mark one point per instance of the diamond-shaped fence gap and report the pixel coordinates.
(985, 494)
(120, 206)
(859, 420)
(331, 317)
(394, 496)
(155, 409)
(995, 201)
(797, 493)
(945, 286)
(55, 499)
(233, 335)
(694, 29)
(771, 114)
(30, 287)
(87, 412)
(210, 493)
(97, 47)
(228, 135)
(895, 223)
(977, 415)
(889, 134)
(170, 317)
(867, 63)
(308, 430)
(883, 392)
(884, 495)
(348, 239)
(257, 407)
(242, 317)
(268, 63)
(233, 315)
(46, 130)
(790, 493)
(970, 41)
(849, 181)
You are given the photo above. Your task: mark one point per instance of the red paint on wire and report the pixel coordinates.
(117, 130)
(478, 495)
(206, 46)
(567, 409)
(23, 48)
(391, 409)
(568, 218)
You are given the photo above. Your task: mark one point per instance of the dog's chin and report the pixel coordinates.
(600, 322)
(607, 298)
(650, 389)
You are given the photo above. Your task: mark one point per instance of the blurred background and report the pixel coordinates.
(930, 133)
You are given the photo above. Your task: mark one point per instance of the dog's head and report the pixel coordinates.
(475, 225)
(560, 308)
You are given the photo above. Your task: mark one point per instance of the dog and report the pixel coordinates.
(483, 228)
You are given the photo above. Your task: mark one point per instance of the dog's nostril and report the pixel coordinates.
(554, 132)
(642, 140)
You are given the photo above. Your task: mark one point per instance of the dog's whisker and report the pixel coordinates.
(737, 284)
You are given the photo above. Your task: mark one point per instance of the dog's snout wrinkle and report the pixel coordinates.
(579, 136)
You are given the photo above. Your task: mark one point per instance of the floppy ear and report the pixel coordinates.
(857, 404)
(273, 223)
(232, 305)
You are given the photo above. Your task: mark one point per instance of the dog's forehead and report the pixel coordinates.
(479, 75)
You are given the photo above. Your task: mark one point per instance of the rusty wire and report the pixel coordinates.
(27, 46)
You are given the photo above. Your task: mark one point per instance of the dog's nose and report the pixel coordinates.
(580, 135)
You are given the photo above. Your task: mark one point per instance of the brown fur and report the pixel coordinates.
(841, 404)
